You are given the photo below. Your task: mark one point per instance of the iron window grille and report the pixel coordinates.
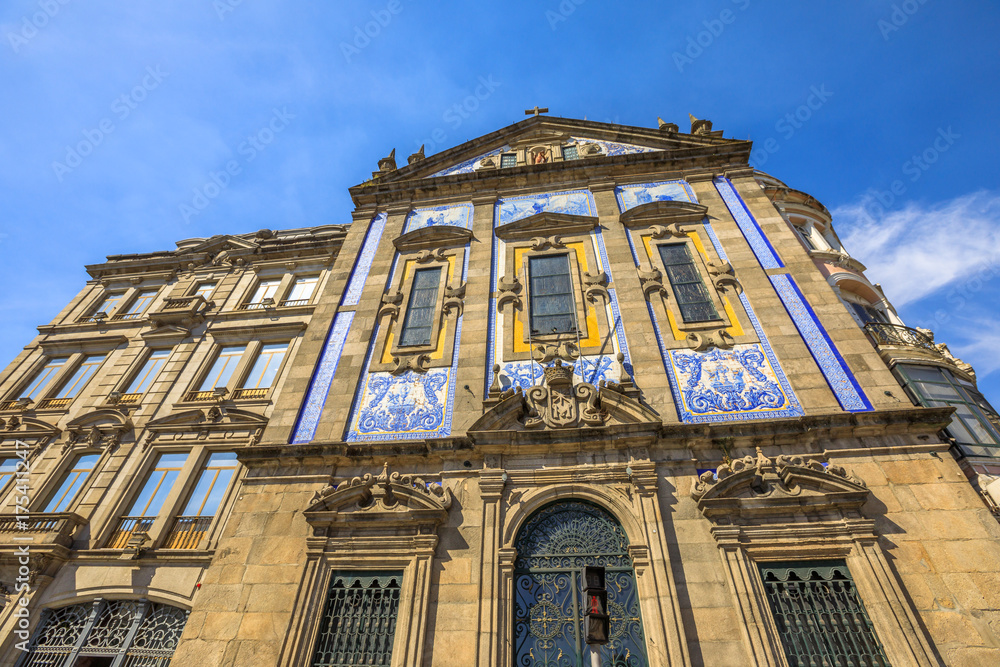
(358, 625)
(508, 160)
(571, 153)
(120, 633)
(819, 615)
(692, 296)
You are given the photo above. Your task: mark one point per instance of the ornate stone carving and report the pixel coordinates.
(410, 362)
(545, 242)
(652, 281)
(431, 255)
(556, 403)
(99, 429)
(509, 292)
(699, 341)
(663, 231)
(454, 299)
(391, 303)
(386, 492)
(724, 276)
(596, 285)
(543, 353)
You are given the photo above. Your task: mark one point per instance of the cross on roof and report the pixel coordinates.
(535, 111)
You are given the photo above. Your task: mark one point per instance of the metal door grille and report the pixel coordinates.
(135, 633)
(820, 618)
(359, 620)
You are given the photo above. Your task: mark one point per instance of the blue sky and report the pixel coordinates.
(163, 95)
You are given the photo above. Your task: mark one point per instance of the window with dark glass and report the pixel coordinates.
(693, 298)
(970, 424)
(819, 615)
(570, 153)
(551, 295)
(72, 483)
(508, 160)
(358, 625)
(419, 322)
(805, 236)
(869, 313)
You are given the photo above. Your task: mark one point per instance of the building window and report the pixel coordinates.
(138, 307)
(43, 378)
(571, 152)
(204, 290)
(551, 295)
(106, 632)
(222, 370)
(819, 616)
(302, 291)
(146, 507)
(206, 499)
(111, 301)
(804, 235)
(508, 160)
(72, 483)
(264, 371)
(263, 296)
(970, 425)
(547, 587)
(147, 374)
(358, 625)
(8, 468)
(868, 313)
(692, 296)
(421, 308)
(71, 387)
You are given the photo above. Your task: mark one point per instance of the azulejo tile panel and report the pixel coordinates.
(404, 406)
(630, 196)
(836, 371)
(468, 166)
(305, 429)
(573, 202)
(525, 374)
(364, 262)
(613, 148)
(452, 215)
(722, 383)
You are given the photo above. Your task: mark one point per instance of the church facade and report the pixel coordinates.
(398, 441)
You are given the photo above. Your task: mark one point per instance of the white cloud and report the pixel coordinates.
(916, 251)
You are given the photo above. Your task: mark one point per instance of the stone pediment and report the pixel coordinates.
(217, 422)
(538, 135)
(438, 236)
(546, 224)
(758, 484)
(100, 428)
(27, 429)
(663, 213)
(217, 244)
(388, 499)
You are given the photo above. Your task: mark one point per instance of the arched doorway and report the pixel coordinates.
(552, 548)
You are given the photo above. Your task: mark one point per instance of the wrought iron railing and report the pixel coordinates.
(8, 405)
(894, 334)
(188, 532)
(53, 528)
(251, 393)
(128, 526)
(288, 303)
(129, 399)
(256, 306)
(54, 403)
(200, 395)
(126, 316)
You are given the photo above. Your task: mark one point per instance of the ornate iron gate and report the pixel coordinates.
(126, 633)
(819, 615)
(552, 547)
(359, 620)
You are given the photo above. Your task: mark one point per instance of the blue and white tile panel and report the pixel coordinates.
(363, 264)
(468, 166)
(836, 371)
(740, 384)
(573, 202)
(614, 148)
(407, 406)
(305, 429)
(452, 215)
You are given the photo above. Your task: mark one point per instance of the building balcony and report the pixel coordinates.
(54, 403)
(188, 532)
(251, 393)
(898, 343)
(186, 311)
(39, 529)
(129, 529)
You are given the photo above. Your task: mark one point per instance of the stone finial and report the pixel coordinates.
(700, 126)
(669, 128)
(388, 163)
(416, 157)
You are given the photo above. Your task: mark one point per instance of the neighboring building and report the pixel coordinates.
(397, 442)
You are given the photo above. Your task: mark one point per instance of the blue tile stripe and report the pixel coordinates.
(364, 262)
(305, 429)
(836, 371)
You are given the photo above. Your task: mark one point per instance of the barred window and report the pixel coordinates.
(508, 160)
(358, 625)
(571, 153)
(689, 289)
(419, 322)
(819, 615)
(553, 306)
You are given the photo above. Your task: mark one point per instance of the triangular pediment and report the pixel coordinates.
(593, 140)
(432, 237)
(217, 244)
(663, 213)
(547, 223)
(219, 416)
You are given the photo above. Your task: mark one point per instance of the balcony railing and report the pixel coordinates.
(188, 532)
(130, 399)
(54, 403)
(128, 526)
(8, 405)
(894, 334)
(251, 393)
(200, 395)
(256, 306)
(288, 303)
(51, 528)
(182, 309)
(126, 316)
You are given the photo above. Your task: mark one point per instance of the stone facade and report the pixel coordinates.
(427, 435)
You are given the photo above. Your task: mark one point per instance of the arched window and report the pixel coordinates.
(136, 633)
(552, 548)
